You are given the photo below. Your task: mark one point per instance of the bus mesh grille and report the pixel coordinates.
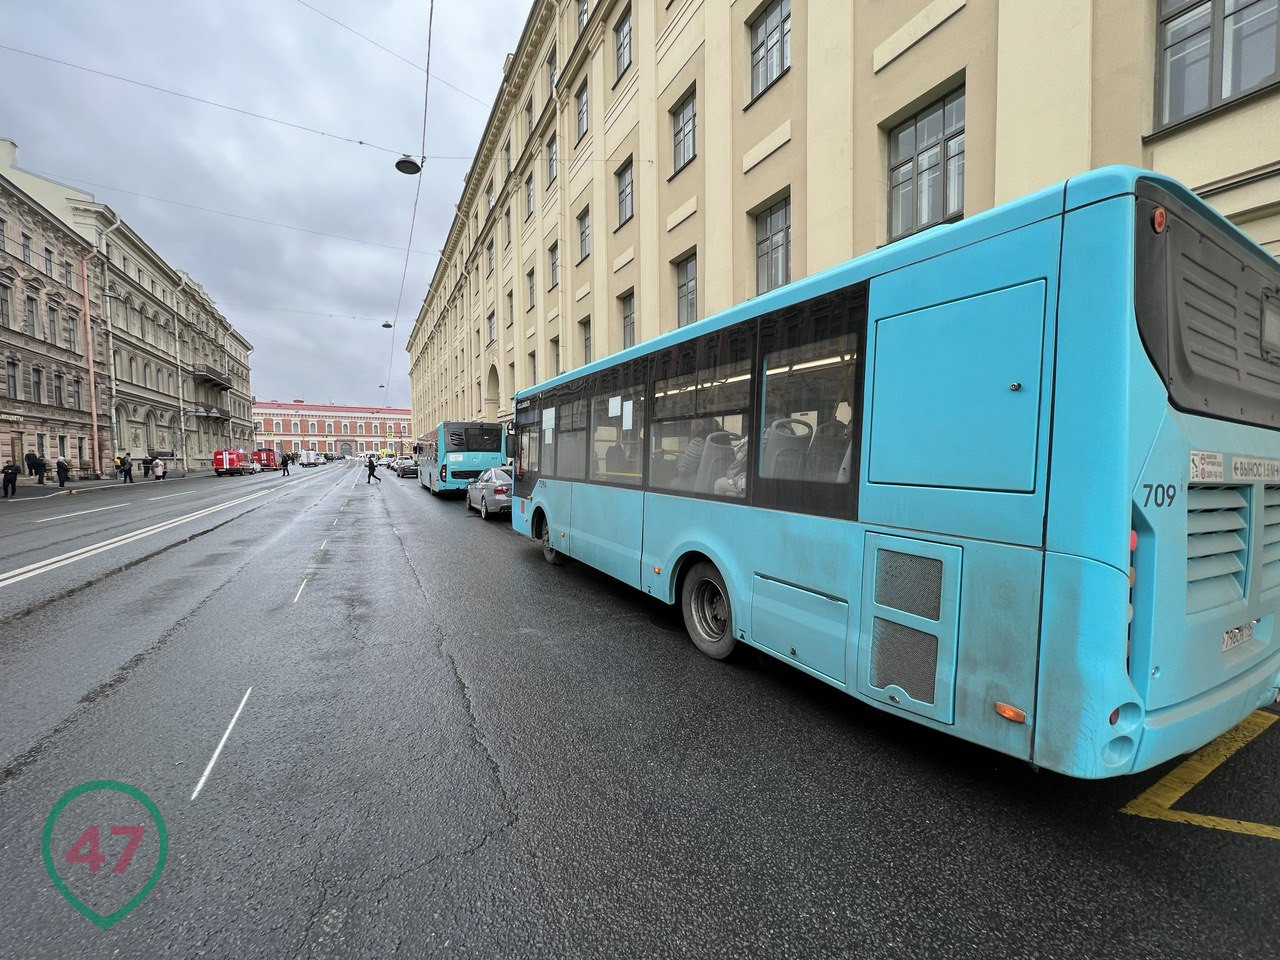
(904, 656)
(1217, 525)
(1270, 558)
(910, 583)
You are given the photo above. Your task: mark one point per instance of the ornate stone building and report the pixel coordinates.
(51, 350)
(648, 164)
(176, 380)
(331, 428)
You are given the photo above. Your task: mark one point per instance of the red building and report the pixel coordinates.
(329, 428)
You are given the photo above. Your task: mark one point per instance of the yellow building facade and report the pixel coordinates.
(651, 162)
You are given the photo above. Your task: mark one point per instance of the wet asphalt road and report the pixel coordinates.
(453, 749)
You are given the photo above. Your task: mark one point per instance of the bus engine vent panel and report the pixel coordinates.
(909, 625)
(1217, 529)
(1271, 537)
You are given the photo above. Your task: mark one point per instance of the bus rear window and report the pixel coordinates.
(1201, 291)
(475, 439)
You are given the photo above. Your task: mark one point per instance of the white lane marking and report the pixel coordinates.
(299, 593)
(335, 521)
(322, 545)
(81, 513)
(221, 744)
(44, 566)
(170, 496)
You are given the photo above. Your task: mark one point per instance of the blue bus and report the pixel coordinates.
(457, 452)
(1016, 478)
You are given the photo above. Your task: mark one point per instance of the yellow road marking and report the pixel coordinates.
(1156, 802)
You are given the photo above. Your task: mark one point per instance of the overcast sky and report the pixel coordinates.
(281, 59)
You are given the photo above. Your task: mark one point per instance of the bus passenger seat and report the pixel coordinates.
(826, 450)
(846, 465)
(717, 457)
(615, 459)
(785, 444)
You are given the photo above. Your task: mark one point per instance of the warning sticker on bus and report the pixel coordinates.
(1206, 467)
(1251, 468)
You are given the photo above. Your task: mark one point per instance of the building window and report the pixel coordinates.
(622, 44)
(555, 355)
(296, 427)
(528, 196)
(311, 427)
(346, 427)
(926, 168)
(1211, 52)
(488, 256)
(48, 261)
(533, 291)
(257, 426)
(528, 118)
(493, 327)
(75, 394)
(66, 272)
(583, 102)
(625, 199)
(627, 305)
(511, 308)
(6, 301)
(584, 234)
(31, 316)
(11, 378)
(553, 73)
(552, 156)
(57, 390)
(506, 159)
(26, 248)
(279, 426)
(583, 14)
(585, 323)
(687, 290)
(506, 222)
(683, 119)
(533, 367)
(770, 45)
(553, 262)
(328, 426)
(53, 324)
(773, 246)
(360, 428)
(37, 385)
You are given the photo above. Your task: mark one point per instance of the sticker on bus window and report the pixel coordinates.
(1206, 467)
(1249, 469)
(628, 414)
(549, 418)
(615, 406)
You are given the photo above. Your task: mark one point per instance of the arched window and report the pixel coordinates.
(122, 418)
(146, 374)
(257, 425)
(328, 426)
(296, 428)
(361, 426)
(346, 428)
(311, 427)
(279, 427)
(133, 370)
(171, 383)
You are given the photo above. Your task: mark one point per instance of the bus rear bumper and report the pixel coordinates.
(1187, 726)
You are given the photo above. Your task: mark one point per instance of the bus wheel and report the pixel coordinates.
(549, 553)
(708, 615)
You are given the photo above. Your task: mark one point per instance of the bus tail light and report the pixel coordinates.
(444, 472)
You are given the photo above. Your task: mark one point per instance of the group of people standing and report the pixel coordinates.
(37, 467)
(124, 468)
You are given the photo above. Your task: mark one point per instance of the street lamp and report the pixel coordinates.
(406, 164)
(386, 324)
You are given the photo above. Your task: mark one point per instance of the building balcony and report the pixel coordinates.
(212, 376)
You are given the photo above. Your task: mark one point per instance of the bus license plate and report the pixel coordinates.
(1236, 636)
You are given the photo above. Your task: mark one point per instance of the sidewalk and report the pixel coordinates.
(28, 489)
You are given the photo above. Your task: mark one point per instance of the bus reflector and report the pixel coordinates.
(1115, 716)
(1133, 540)
(657, 569)
(1011, 713)
(1158, 219)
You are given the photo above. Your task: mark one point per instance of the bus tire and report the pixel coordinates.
(708, 613)
(550, 553)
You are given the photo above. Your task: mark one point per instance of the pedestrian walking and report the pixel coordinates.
(41, 466)
(373, 471)
(11, 473)
(158, 469)
(126, 467)
(284, 465)
(63, 469)
(31, 463)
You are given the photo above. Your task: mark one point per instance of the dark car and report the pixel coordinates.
(490, 493)
(405, 467)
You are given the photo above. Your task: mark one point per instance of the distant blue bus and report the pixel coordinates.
(1017, 478)
(457, 452)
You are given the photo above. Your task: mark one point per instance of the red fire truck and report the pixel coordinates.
(266, 459)
(235, 462)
